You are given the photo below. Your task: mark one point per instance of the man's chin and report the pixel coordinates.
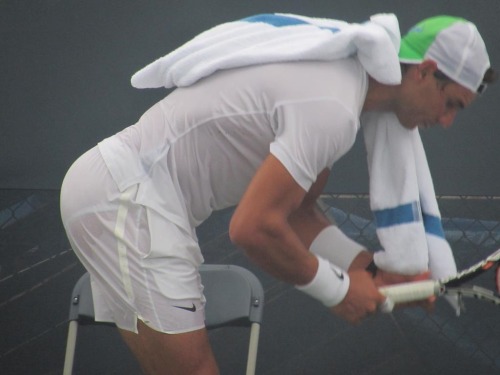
(407, 123)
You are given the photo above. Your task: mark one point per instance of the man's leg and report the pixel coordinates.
(161, 353)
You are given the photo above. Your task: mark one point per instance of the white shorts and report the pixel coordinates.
(111, 236)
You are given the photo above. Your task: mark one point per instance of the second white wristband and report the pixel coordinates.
(332, 244)
(329, 285)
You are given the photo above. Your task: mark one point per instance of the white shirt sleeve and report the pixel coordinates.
(311, 135)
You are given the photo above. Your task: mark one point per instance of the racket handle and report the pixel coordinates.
(409, 292)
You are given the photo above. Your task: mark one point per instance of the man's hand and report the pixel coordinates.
(383, 278)
(361, 299)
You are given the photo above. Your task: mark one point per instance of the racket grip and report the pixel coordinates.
(409, 292)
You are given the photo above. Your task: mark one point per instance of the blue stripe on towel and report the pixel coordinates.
(409, 213)
(406, 213)
(280, 21)
(433, 225)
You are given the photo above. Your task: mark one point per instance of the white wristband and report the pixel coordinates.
(329, 285)
(332, 244)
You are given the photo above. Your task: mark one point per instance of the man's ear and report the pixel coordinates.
(426, 67)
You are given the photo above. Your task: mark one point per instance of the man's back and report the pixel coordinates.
(212, 136)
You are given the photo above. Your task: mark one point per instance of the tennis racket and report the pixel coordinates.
(454, 285)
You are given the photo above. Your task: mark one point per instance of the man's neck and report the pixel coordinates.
(380, 97)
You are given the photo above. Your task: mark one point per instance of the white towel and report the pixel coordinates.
(400, 180)
(403, 200)
(270, 38)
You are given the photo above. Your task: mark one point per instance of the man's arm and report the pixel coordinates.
(260, 225)
(266, 225)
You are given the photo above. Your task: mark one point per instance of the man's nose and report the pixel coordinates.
(446, 120)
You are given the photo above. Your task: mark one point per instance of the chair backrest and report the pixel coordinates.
(235, 297)
(82, 305)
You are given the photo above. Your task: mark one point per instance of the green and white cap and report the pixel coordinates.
(454, 44)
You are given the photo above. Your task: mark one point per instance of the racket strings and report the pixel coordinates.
(471, 272)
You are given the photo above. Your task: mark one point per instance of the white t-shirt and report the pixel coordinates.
(196, 150)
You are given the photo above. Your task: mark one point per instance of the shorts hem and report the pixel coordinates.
(172, 332)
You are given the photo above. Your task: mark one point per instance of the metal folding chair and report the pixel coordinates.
(235, 297)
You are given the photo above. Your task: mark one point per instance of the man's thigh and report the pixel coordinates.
(161, 353)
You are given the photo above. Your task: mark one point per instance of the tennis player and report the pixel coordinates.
(265, 138)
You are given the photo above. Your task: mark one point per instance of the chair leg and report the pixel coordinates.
(70, 347)
(252, 348)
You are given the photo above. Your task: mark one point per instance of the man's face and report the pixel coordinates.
(430, 101)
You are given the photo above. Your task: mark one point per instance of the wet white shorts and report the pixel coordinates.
(110, 234)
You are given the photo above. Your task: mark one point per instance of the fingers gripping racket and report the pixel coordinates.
(454, 285)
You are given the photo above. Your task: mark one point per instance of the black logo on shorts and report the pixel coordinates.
(192, 308)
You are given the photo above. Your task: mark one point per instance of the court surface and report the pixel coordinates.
(298, 336)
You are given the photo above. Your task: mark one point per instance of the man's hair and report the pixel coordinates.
(490, 76)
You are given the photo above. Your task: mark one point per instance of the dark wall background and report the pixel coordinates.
(65, 68)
